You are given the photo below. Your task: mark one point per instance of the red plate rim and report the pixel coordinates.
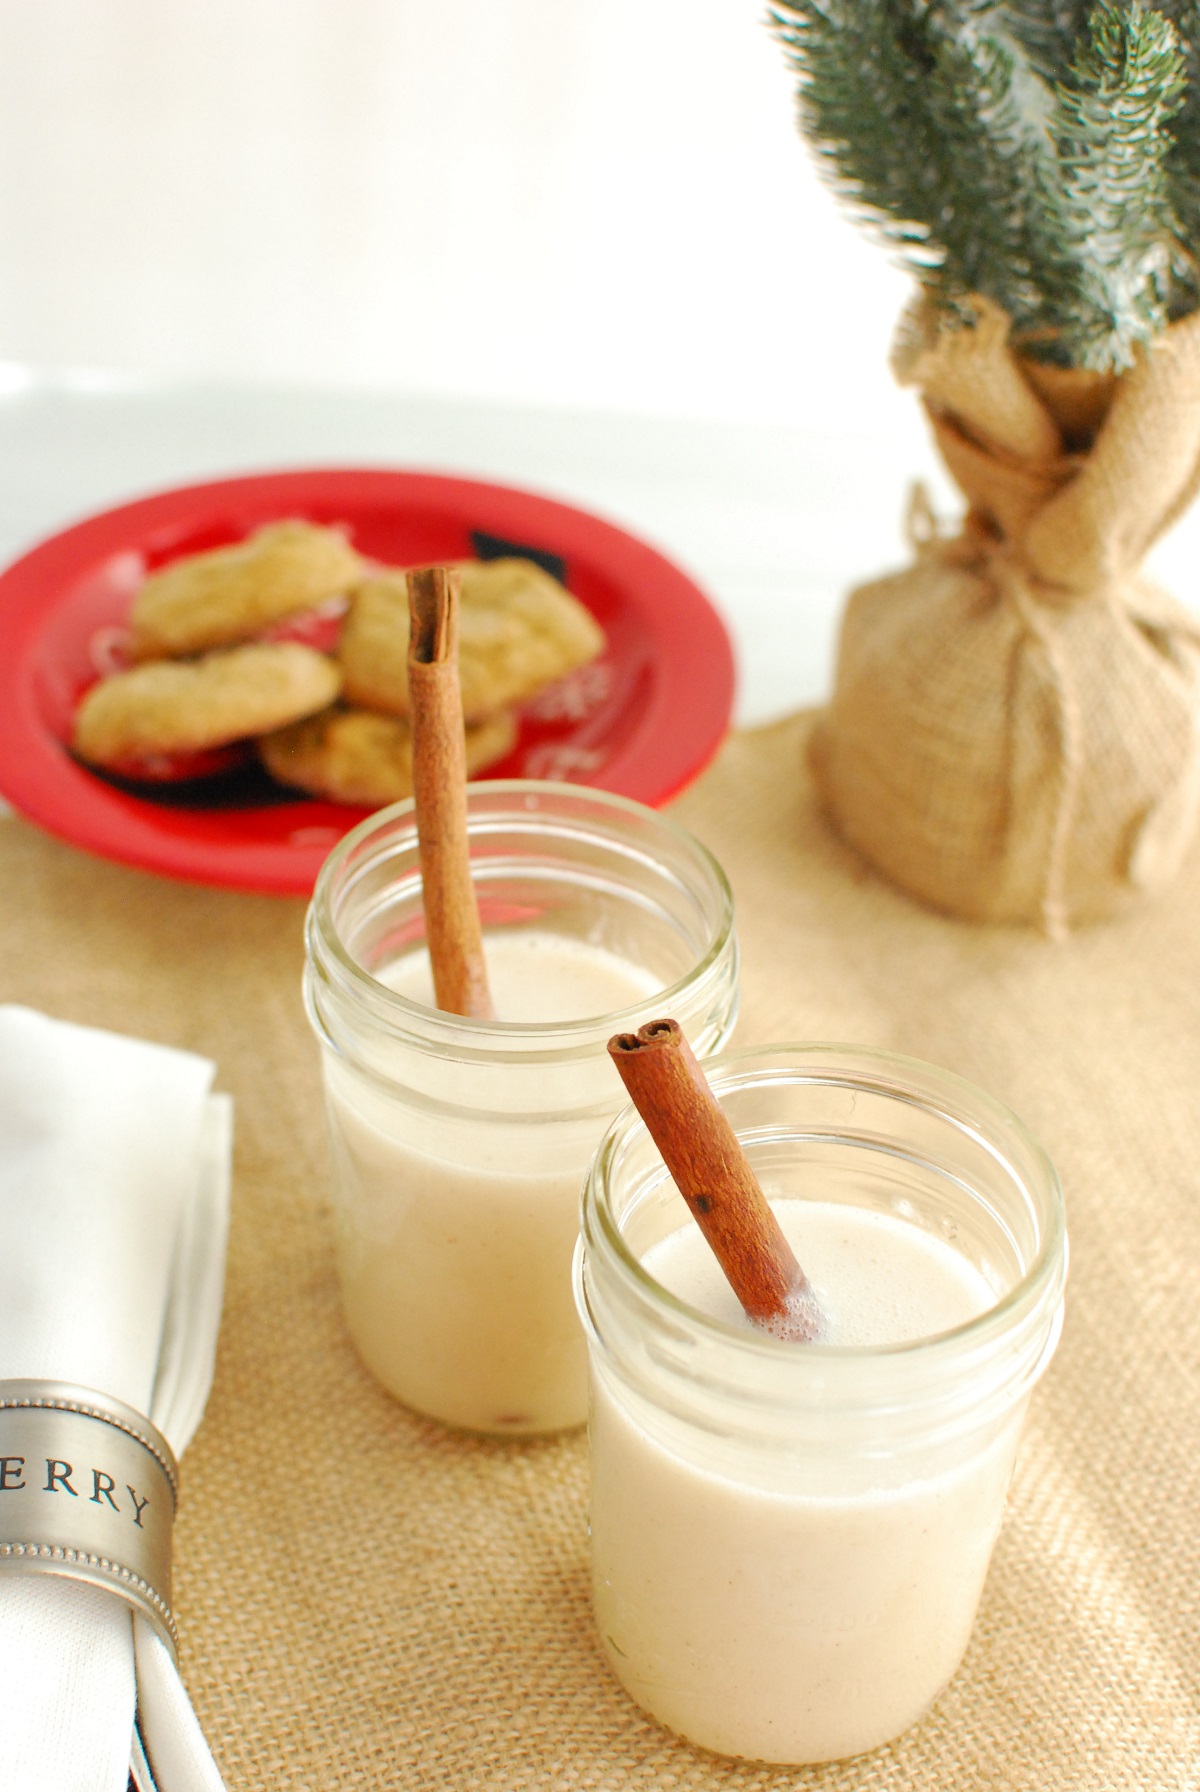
(677, 729)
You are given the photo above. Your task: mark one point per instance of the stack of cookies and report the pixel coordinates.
(291, 645)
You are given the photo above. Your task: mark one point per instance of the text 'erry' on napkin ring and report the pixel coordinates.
(87, 1492)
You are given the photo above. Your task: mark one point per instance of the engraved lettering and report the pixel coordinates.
(10, 1473)
(60, 1472)
(140, 1505)
(102, 1488)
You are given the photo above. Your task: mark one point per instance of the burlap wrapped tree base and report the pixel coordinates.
(369, 1602)
(1015, 729)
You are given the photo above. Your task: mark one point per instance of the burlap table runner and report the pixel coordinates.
(367, 1601)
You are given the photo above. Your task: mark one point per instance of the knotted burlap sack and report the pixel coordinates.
(1014, 732)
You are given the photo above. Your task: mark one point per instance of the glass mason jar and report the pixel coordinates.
(789, 1542)
(459, 1145)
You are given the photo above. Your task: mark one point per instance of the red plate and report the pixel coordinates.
(642, 721)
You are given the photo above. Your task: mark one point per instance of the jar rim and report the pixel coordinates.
(1044, 1276)
(471, 1033)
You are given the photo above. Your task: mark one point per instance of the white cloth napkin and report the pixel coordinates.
(114, 1205)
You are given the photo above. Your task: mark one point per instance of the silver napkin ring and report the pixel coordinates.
(87, 1491)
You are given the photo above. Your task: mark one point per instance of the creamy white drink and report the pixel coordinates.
(459, 1144)
(876, 1279)
(537, 977)
(455, 1228)
(772, 1603)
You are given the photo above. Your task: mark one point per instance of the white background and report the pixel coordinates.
(601, 203)
(575, 244)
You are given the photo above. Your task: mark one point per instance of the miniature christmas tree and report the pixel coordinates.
(1043, 153)
(1014, 732)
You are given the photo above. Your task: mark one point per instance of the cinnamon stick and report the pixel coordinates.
(712, 1173)
(452, 927)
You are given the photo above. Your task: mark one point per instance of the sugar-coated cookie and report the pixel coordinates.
(518, 630)
(233, 593)
(358, 756)
(187, 706)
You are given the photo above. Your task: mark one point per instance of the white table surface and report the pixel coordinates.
(774, 524)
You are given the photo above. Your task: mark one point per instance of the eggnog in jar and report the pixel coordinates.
(459, 1145)
(789, 1541)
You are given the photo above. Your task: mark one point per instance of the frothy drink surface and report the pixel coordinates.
(456, 1228)
(537, 977)
(775, 1603)
(877, 1280)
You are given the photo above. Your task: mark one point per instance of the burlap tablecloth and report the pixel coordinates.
(367, 1601)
